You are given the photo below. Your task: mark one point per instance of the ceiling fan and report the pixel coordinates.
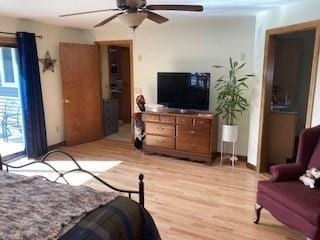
(133, 12)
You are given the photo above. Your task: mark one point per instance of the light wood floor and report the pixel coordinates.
(124, 133)
(189, 200)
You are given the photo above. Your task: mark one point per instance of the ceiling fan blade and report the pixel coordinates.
(192, 8)
(96, 11)
(155, 17)
(109, 19)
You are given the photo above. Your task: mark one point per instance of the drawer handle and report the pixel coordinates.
(201, 122)
(160, 128)
(159, 141)
(192, 132)
(193, 146)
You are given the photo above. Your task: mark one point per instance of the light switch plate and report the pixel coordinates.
(138, 90)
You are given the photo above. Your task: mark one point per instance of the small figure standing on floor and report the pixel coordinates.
(138, 123)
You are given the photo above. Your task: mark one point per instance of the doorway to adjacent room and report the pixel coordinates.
(117, 88)
(290, 71)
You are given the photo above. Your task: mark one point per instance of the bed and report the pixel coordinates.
(38, 208)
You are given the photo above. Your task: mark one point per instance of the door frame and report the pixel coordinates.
(267, 80)
(129, 44)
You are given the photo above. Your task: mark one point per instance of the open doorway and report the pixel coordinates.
(117, 85)
(289, 82)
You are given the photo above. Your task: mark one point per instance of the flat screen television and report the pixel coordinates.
(184, 90)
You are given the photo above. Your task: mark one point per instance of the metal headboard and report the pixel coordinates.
(61, 175)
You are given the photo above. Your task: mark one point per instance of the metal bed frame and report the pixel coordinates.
(61, 175)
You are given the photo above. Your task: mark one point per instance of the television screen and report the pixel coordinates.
(184, 90)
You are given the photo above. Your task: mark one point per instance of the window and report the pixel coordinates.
(11, 118)
(8, 65)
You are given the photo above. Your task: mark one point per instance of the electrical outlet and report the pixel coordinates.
(140, 58)
(57, 129)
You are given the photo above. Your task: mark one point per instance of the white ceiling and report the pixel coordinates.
(48, 10)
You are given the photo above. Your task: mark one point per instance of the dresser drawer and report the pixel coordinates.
(191, 132)
(198, 122)
(188, 121)
(160, 129)
(151, 117)
(159, 141)
(193, 145)
(167, 119)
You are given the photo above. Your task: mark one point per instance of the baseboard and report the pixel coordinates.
(14, 157)
(21, 154)
(57, 145)
(240, 157)
(251, 166)
(244, 159)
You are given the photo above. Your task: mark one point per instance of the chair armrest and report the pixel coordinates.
(286, 172)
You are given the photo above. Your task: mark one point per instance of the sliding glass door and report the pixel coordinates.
(11, 122)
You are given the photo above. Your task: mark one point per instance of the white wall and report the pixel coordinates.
(186, 46)
(51, 82)
(286, 15)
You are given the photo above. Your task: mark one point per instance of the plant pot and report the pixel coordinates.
(230, 133)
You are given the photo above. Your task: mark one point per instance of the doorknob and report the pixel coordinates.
(66, 101)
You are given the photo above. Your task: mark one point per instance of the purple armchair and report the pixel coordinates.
(286, 198)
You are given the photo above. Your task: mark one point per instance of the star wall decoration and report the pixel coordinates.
(47, 62)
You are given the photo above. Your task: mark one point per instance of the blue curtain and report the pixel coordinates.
(31, 95)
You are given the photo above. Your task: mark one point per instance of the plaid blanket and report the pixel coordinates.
(121, 219)
(32, 208)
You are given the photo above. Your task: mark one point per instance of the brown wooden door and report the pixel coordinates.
(125, 99)
(80, 71)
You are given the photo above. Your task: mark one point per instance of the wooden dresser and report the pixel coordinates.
(188, 136)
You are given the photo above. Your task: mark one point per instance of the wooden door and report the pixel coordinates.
(80, 71)
(125, 99)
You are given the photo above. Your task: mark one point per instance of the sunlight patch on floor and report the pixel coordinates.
(76, 178)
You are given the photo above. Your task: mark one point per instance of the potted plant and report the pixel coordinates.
(231, 99)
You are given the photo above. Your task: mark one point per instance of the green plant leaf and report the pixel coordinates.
(231, 100)
(231, 65)
(242, 79)
(241, 66)
(220, 79)
(244, 84)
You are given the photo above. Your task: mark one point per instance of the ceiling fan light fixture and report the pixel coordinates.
(133, 20)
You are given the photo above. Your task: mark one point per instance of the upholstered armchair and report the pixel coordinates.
(286, 198)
